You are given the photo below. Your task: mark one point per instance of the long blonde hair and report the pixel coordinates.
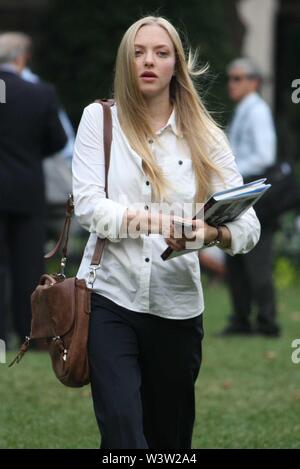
(192, 119)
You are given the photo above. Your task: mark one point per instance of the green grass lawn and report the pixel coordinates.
(247, 393)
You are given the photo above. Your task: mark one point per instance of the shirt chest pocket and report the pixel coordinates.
(180, 173)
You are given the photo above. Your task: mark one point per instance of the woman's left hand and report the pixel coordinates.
(201, 233)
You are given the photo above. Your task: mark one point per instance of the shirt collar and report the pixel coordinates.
(28, 75)
(171, 124)
(247, 101)
(8, 67)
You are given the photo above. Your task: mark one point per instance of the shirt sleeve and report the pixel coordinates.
(263, 137)
(94, 211)
(245, 231)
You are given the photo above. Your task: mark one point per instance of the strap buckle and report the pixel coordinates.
(92, 275)
(63, 262)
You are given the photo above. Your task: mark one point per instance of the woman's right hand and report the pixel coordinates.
(155, 223)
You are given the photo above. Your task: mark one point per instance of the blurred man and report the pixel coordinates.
(67, 151)
(57, 168)
(29, 130)
(253, 141)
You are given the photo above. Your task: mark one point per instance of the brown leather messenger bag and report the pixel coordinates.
(60, 305)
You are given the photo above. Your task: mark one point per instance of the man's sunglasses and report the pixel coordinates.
(237, 78)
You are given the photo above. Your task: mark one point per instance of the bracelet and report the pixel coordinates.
(216, 241)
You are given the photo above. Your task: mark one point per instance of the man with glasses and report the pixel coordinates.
(253, 140)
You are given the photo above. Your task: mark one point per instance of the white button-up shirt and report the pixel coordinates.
(132, 273)
(252, 136)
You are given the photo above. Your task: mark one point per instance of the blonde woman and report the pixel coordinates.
(146, 320)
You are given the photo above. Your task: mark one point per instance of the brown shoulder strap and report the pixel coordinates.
(107, 133)
(107, 137)
(65, 231)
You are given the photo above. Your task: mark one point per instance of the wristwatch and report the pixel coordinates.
(217, 241)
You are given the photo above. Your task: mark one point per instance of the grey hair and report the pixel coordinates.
(12, 45)
(249, 67)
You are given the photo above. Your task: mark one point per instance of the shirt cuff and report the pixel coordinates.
(243, 239)
(107, 220)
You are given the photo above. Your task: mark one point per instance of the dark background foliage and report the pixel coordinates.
(79, 40)
(76, 44)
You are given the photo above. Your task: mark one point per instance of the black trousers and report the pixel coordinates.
(143, 371)
(21, 260)
(250, 281)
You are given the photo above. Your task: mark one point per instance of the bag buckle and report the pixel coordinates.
(64, 352)
(63, 262)
(92, 275)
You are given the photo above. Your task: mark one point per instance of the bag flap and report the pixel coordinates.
(53, 307)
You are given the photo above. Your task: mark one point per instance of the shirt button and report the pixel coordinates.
(146, 207)
(147, 259)
(180, 162)
(147, 182)
(150, 141)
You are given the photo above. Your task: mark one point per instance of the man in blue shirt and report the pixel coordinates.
(253, 140)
